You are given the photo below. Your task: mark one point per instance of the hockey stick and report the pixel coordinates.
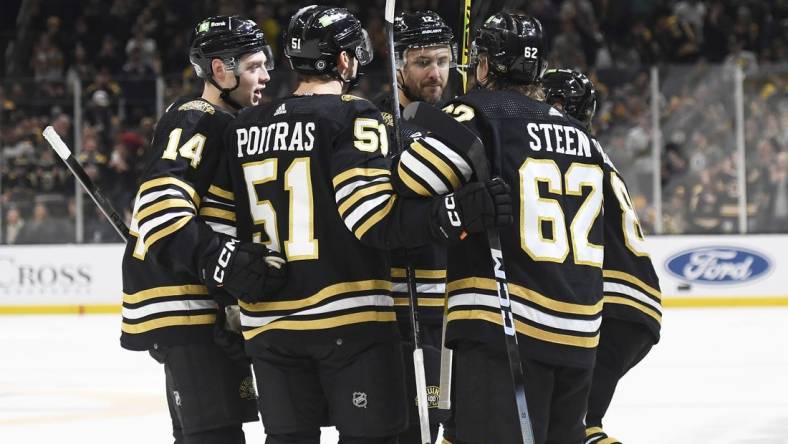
(73, 164)
(466, 142)
(413, 303)
(444, 393)
(465, 13)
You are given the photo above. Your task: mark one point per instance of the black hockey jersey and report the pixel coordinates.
(554, 249)
(631, 286)
(313, 182)
(175, 209)
(429, 261)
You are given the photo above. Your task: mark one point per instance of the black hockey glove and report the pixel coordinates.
(227, 335)
(247, 271)
(473, 208)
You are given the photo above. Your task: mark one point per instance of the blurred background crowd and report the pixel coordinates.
(100, 72)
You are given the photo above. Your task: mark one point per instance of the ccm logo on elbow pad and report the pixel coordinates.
(224, 259)
(454, 217)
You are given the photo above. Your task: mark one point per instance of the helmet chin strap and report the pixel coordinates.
(405, 90)
(225, 92)
(348, 84)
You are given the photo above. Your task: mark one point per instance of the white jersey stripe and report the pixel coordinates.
(349, 188)
(632, 292)
(402, 287)
(364, 209)
(167, 306)
(424, 172)
(450, 154)
(527, 312)
(377, 300)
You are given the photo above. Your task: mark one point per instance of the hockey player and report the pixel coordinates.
(314, 184)
(553, 252)
(632, 311)
(177, 267)
(425, 51)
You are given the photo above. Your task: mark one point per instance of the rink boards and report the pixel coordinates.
(694, 271)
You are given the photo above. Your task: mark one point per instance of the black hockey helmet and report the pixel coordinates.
(227, 38)
(515, 47)
(317, 34)
(419, 30)
(574, 90)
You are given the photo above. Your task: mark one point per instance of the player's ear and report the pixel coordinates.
(217, 69)
(343, 62)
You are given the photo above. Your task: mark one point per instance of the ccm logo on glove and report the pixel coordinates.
(454, 216)
(223, 261)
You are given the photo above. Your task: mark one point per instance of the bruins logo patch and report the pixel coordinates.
(197, 105)
(433, 396)
(350, 98)
(247, 390)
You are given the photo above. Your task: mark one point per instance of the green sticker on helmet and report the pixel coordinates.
(329, 19)
(204, 26)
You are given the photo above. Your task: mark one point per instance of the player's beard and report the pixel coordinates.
(431, 91)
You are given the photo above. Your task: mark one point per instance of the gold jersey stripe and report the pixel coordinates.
(365, 172)
(213, 189)
(412, 183)
(171, 181)
(527, 294)
(629, 302)
(170, 321)
(525, 329)
(325, 293)
(593, 431)
(423, 302)
(362, 193)
(321, 324)
(632, 280)
(608, 440)
(420, 273)
(438, 163)
(164, 205)
(375, 218)
(157, 292)
(217, 212)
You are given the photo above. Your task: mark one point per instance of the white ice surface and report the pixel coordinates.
(718, 376)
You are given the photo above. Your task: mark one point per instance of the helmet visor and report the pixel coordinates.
(363, 51)
(428, 55)
(269, 57)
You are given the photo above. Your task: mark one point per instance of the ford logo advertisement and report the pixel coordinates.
(718, 265)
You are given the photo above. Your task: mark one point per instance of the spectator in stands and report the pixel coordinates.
(47, 61)
(13, 225)
(143, 43)
(717, 28)
(568, 47)
(778, 208)
(81, 67)
(41, 229)
(108, 57)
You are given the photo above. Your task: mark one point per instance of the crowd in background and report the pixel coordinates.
(117, 49)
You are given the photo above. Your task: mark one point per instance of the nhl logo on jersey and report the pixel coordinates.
(360, 400)
(247, 390)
